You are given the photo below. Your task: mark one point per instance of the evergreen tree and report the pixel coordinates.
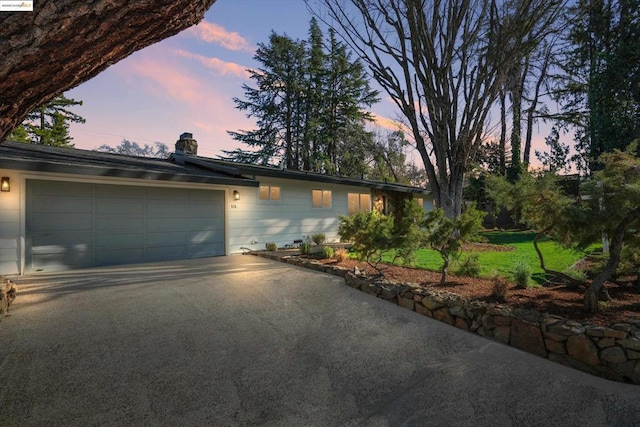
(49, 124)
(276, 103)
(308, 106)
(158, 150)
(600, 90)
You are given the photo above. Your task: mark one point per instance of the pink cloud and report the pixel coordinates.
(219, 66)
(214, 33)
(386, 123)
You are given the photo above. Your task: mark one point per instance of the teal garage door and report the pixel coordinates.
(74, 225)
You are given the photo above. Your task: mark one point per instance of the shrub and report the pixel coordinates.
(374, 234)
(327, 252)
(271, 247)
(341, 254)
(522, 275)
(469, 266)
(318, 238)
(305, 248)
(500, 287)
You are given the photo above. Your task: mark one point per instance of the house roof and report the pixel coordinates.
(254, 171)
(179, 167)
(33, 157)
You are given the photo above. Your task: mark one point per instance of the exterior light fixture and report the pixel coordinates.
(5, 184)
(236, 195)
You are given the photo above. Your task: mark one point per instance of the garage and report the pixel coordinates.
(77, 224)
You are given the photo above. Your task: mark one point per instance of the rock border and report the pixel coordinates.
(612, 353)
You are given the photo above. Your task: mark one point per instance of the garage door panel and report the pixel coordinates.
(120, 240)
(119, 192)
(211, 236)
(119, 224)
(206, 210)
(166, 224)
(206, 196)
(52, 205)
(165, 239)
(120, 207)
(58, 188)
(60, 223)
(166, 253)
(120, 256)
(164, 210)
(159, 193)
(205, 224)
(205, 250)
(80, 225)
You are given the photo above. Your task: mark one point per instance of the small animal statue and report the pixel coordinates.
(8, 291)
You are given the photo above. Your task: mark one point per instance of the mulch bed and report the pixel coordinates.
(555, 299)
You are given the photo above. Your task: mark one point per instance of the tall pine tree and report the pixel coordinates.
(49, 124)
(308, 103)
(600, 91)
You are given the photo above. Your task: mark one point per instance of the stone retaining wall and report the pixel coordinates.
(612, 353)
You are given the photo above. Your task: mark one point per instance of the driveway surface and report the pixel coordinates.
(242, 340)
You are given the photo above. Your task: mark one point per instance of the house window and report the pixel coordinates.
(269, 193)
(358, 202)
(321, 198)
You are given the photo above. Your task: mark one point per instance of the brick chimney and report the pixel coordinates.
(187, 145)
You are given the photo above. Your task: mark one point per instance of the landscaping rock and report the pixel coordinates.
(421, 309)
(431, 304)
(527, 337)
(581, 348)
(388, 292)
(633, 355)
(530, 316)
(630, 343)
(443, 315)
(555, 346)
(614, 333)
(458, 311)
(594, 331)
(613, 355)
(622, 327)
(406, 302)
(606, 342)
(502, 334)
(502, 320)
(461, 324)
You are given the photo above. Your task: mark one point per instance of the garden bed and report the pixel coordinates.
(557, 299)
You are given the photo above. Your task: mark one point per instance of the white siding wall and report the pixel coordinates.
(291, 218)
(10, 224)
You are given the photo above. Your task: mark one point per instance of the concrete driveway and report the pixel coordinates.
(243, 341)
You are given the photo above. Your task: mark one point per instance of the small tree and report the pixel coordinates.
(614, 205)
(373, 234)
(445, 235)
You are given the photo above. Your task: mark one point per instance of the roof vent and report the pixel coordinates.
(187, 145)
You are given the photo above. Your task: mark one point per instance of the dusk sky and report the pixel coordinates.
(187, 83)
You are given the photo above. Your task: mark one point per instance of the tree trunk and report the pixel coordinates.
(445, 267)
(503, 134)
(594, 290)
(63, 43)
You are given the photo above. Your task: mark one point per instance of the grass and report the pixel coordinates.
(503, 262)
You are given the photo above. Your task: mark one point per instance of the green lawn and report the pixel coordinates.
(502, 262)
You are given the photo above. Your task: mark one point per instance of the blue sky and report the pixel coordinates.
(187, 83)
